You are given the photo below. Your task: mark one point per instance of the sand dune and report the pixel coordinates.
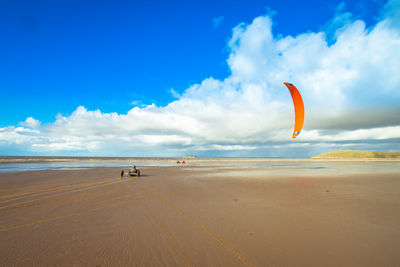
(202, 216)
(356, 154)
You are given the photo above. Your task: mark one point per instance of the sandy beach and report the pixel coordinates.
(198, 216)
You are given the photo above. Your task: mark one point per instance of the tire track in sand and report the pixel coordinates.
(67, 194)
(194, 222)
(163, 229)
(55, 189)
(8, 228)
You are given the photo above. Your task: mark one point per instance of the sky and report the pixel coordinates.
(166, 78)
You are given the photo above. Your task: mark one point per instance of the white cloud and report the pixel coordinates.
(380, 133)
(30, 122)
(174, 93)
(356, 73)
(341, 18)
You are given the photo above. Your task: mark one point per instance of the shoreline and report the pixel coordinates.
(18, 159)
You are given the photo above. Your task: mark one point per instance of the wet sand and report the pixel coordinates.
(201, 216)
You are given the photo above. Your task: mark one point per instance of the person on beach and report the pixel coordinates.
(136, 170)
(122, 173)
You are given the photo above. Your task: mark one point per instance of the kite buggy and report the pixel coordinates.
(132, 172)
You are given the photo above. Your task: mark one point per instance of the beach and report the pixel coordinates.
(199, 216)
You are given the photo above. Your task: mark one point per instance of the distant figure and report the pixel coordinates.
(122, 173)
(183, 162)
(136, 170)
(177, 162)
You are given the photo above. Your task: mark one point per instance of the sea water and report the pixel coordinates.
(76, 165)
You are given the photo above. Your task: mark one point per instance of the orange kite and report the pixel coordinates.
(298, 109)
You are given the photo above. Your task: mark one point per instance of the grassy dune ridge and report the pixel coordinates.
(355, 154)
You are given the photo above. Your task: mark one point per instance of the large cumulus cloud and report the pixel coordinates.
(350, 85)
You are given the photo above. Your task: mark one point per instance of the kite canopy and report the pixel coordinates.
(298, 109)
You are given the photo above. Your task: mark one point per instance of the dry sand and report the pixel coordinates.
(178, 216)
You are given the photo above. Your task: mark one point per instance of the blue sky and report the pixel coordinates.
(57, 55)
(60, 59)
